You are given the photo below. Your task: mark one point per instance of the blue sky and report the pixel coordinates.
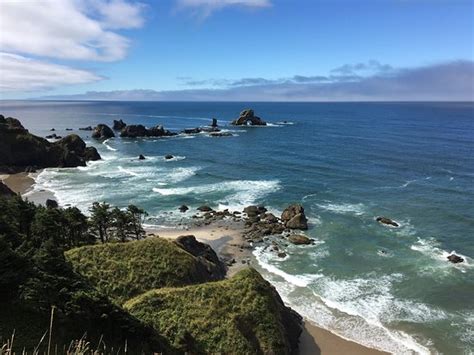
(203, 48)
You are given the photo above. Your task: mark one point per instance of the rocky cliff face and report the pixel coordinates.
(20, 149)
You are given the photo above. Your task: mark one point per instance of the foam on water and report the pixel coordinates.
(356, 309)
(238, 193)
(297, 280)
(430, 248)
(357, 209)
(108, 146)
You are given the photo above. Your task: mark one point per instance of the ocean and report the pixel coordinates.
(347, 163)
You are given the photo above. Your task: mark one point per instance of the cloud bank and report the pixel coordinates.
(452, 81)
(24, 74)
(78, 30)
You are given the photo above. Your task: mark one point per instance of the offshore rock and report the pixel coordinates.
(455, 258)
(103, 131)
(387, 221)
(248, 118)
(294, 218)
(134, 131)
(119, 125)
(299, 239)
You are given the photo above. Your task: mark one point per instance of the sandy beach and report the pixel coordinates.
(23, 183)
(225, 237)
(19, 183)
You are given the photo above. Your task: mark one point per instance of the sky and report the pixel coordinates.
(237, 50)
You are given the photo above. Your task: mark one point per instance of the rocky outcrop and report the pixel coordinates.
(168, 156)
(141, 157)
(455, 258)
(299, 239)
(119, 125)
(88, 128)
(294, 218)
(204, 208)
(5, 191)
(102, 131)
(220, 134)
(214, 122)
(387, 221)
(183, 208)
(248, 118)
(200, 130)
(20, 149)
(134, 131)
(204, 253)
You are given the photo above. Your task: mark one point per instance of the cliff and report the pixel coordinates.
(20, 149)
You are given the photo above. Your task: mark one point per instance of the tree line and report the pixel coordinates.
(26, 225)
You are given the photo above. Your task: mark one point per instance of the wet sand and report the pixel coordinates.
(23, 184)
(225, 237)
(19, 183)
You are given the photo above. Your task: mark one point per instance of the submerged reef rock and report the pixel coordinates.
(294, 218)
(103, 131)
(119, 125)
(248, 118)
(387, 221)
(20, 149)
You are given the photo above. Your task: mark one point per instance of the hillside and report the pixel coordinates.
(124, 270)
(20, 150)
(34, 277)
(241, 315)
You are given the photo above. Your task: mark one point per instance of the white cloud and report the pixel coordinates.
(207, 7)
(119, 14)
(66, 29)
(18, 73)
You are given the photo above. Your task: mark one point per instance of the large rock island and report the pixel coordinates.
(20, 149)
(248, 118)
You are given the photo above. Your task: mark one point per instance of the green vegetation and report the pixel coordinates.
(34, 277)
(242, 315)
(125, 270)
(50, 259)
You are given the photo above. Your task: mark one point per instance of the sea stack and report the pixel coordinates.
(248, 118)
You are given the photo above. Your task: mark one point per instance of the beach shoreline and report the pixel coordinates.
(24, 184)
(226, 238)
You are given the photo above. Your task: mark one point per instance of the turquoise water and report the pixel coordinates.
(346, 163)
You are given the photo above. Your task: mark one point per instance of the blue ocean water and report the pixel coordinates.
(347, 163)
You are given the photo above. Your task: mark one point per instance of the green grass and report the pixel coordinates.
(124, 270)
(241, 315)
